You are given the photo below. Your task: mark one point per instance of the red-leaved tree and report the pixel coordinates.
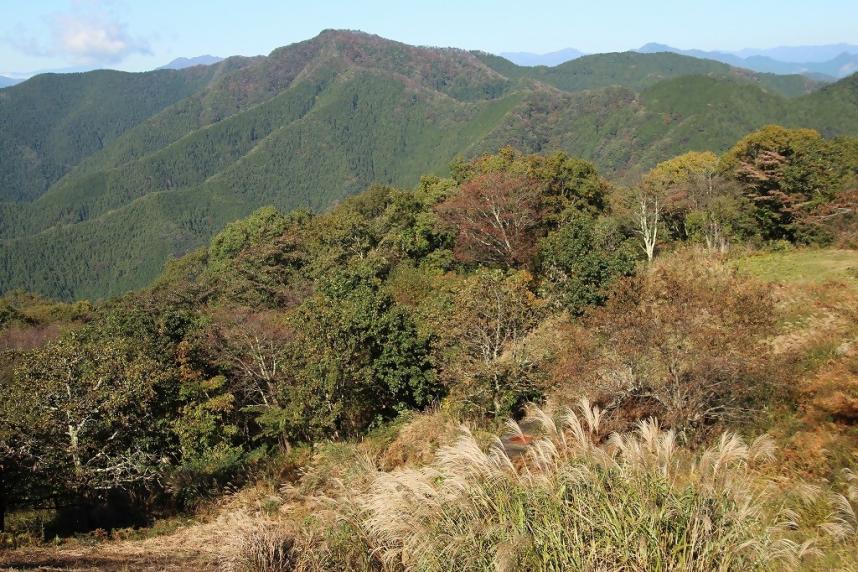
(497, 218)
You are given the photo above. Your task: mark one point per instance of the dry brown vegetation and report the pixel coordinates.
(573, 498)
(692, 341)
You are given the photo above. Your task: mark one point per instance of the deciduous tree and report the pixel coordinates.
(87, 405)
(788, 172)
(497, 217)
(493, 311)
(579, 261)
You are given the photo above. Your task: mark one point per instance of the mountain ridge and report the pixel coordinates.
(826, 62)
(319, 120)
(838, 67)
(549, 59)
(183, 62)
(8, 81)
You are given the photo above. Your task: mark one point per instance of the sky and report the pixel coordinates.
(137, 35)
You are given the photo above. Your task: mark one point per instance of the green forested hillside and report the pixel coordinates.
(51, 122)
(317, 121)
(295, 386)
(637, 71)
(832, 109)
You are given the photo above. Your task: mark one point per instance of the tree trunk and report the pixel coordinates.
(648, 216)
(4, 481)
(73, 432)
(496, 395)
(2, 512)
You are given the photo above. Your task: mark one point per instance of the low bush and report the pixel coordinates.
(265, 547)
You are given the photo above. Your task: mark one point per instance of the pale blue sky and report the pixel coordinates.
(142, 34)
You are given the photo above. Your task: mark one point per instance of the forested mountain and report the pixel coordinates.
(113, 173)
(53, 121)
(823, 62)
(636, 71)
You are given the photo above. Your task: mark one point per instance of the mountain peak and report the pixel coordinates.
(345, 33)
(182, 63)
(452, 71)
(654, 47)
(547, 59)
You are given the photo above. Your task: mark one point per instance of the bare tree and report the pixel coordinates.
(495, 312)
(252, 345)
(690, 198)
(714, 197)
(649, 205)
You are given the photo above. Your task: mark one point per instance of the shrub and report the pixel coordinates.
(493, 312)
(684, 341)
(266, 547)
(580, 260)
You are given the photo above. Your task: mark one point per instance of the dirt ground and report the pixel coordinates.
(202, 547)
(112, 560)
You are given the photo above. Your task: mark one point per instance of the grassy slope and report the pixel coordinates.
(339, 471)
(817, 294)
(804, 266)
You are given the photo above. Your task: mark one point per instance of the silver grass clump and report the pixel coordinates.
(259, 546)
(573, 500)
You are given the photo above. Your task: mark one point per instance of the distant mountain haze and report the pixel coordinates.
(8, 81)
(549, 59)
(839, 66)
(801, 54)
(176, 64)
(826, 62)
(182, 63)
(106, 174)
(21, 76)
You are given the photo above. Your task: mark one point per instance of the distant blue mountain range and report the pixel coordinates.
(177, 64)
(549, 59)
(8, 81)
(182, 63)
(831, 61)
(801, 54)
(839, 65)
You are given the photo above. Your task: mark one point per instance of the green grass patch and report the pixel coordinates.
(803, 266)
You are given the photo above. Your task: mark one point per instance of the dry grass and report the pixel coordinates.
(416, 443)
(263, 546)
(566, 496)
(817, 348)
(638, 501)
(200, 546)
(557, 492)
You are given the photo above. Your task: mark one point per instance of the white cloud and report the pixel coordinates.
(87, 33)
(93, 37)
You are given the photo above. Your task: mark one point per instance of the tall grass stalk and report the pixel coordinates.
(576, 501)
